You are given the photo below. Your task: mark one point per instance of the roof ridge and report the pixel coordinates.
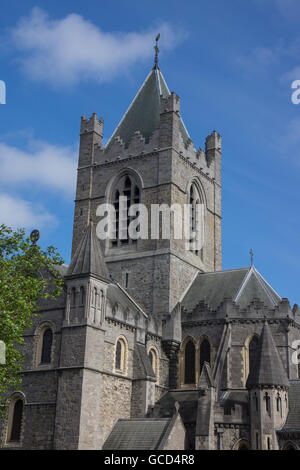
(224, 271)
(88, 259)
(243, 284)
(258, 277)
(130, 106)
(276, 293)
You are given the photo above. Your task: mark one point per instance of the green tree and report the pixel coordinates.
(28, 274)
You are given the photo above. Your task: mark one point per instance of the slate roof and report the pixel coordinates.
(235, 397)
(88, 258)
(116, 293)
(61, 268)
(148, 369)
(187, 400)
(241, 285)
(137, 434)
(269, 369)
(293, 419)
(144, 112)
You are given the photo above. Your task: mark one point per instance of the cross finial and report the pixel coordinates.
(34, 237)
(252, 255)
(156, 51)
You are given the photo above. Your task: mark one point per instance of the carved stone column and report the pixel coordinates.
(171, 349)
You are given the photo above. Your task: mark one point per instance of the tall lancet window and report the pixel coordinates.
(125, 194)
(16, 424)
(204, 353)
(189, 363)
(253, 347)
(196, 221)
(47, 346)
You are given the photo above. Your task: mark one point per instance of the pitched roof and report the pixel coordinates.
(268, 369)
(187, 400)
(137, 434)
(241, 285)
(88, 258)
(293, 419)
(145, 361)
(206, 380)
(143, 114)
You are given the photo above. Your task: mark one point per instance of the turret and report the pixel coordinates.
(268, 385)
(213, 148)
(90, 139)
(77, 421)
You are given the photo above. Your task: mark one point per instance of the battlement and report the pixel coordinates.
(230, 311)
(170, 103)
(91, 125)
(213, 142)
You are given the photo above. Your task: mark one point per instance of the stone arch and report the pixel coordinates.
(242, 444)
(15, 419)
(39, 347)
(114, 181)
(246, 356)
(121, 355)
(187, 363)
(154, 359)
(127, 183)
(195, 197)
(290, 446)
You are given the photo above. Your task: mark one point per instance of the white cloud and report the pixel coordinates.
(72, 49)
(16, 212)
(43, 165)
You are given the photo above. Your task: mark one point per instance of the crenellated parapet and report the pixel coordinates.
(91, 125)
(229, 310)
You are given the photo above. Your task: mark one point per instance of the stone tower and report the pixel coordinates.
(268, 398)
(152, 149)
(77, 420)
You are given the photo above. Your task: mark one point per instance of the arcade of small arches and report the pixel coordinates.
(192, 356)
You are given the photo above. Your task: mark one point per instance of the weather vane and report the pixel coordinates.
(252, 255)
(34, 236)
(156, 51)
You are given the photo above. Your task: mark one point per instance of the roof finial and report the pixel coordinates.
(252, 255)
(156, 51)
(34, 237)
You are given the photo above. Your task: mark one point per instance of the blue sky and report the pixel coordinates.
(231, 62)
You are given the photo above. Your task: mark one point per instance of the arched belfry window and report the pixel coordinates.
(189, 363)
(129, 188)
(196, 222)
(204, 353)
(16, 421)
(47, 346)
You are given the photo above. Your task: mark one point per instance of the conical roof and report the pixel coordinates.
(143, 114)
(88, 259)
(269, 369)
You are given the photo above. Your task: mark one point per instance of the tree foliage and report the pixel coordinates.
(28, 274)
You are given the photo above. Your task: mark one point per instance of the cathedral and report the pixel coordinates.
(152, 345)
